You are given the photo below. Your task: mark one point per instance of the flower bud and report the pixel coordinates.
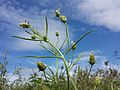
(57, 13)
(33, 37)
(45, 38)
(41, 66)
(92, 59)
(74, 46)
(57, 34)
(24, 25)
(63, 18)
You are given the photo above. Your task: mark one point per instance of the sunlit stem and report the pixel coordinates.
(57, 68)
(72, 58)
(57, 41)
(64, 60)
(67, 38)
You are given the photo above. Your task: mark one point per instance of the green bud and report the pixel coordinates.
(57, 13)
(41, 66)
(45, 38)
(92, 60)
(33, 37)
(74, 46)
(63, 18)
(24, 25)
(57, 34)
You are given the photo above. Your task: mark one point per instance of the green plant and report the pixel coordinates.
(55, 50)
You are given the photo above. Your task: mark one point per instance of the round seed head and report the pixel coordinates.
(41, 66)
(33, 37)
(57, 34)
(24, 25)
(63, 18)
(57, 12)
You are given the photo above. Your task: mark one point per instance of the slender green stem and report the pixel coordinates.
(64, 60)
(72, 58)
(46, 78)
(88, 76)
(57, 41)
(67, 38)
(57, 68)
(89, 71)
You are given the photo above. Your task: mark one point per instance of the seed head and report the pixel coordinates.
(63, 18)
(57, 12)
(41, 66)
(33, 37)
(92, 60)
(74, 46)
(57, 34)
(25, 25)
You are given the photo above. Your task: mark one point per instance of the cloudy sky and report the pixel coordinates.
(82, 15)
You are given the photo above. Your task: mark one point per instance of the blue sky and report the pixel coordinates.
(82, 15)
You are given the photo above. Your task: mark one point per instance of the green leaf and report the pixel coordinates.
(76, 61)
(46, 26)
(28, 32)
(62, 44)
(26, 38)
(79, 40)
(36, 32)
(41, 57)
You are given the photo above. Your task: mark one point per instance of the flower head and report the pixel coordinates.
(92, 60)
(41, 66)
(33, 37)
(57, 12)
(25, 25)
(57, 34)
(63, 18)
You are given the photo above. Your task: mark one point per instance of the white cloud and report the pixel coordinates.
(12, 16)
(98, 12)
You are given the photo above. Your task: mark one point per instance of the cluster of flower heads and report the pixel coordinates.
(61, 17)
(40, 65)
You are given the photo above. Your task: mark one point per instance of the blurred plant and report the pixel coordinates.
(3, 71)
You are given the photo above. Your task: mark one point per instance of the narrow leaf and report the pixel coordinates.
(46, 25)
(28, 32)
(41, 57)
(26, 38)
(78, 41)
